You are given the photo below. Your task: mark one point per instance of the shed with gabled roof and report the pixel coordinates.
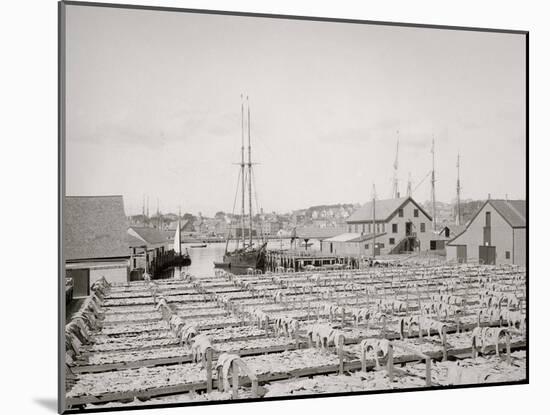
(95, 241)
(497, 234)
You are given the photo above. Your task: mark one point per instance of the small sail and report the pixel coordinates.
(177, 239)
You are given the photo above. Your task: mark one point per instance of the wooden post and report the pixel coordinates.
(428, 372)
(389, 364)
(209, 370)
(508, 349)
(220, 379)
(340, 355)
(419, 301)
(235, 379)
(254, 388)
(444, 340)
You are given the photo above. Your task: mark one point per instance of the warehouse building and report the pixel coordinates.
(147, 244)
(497, 234)
(352, 244)
(95, 242)
(401, 225)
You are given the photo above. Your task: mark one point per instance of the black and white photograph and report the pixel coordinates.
(256, 207)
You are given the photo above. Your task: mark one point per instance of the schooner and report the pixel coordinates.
(247, 255)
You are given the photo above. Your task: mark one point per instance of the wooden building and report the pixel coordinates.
(352, 244)
(310, 238)
(497, 234)
(147, 245)
(94, 241)
(401, 225)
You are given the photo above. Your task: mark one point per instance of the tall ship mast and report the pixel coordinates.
(395, 190)
(249, 177)
(434, 215)
(458, 217)
(243, 236)
(247, 256)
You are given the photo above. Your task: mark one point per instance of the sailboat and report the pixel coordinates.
(248, 256)
(180, 258)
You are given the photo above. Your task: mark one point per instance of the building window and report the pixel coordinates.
(355, 228)
(394, 227)
(422, 227)
(383, 227)
(488, 219)
(366, 246)
(416, 213)
(507, 254)
(392, 241)
(349, 228)
(363, 228)
(368, 227)
(400, 213)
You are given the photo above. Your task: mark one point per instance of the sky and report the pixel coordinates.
(153, 107)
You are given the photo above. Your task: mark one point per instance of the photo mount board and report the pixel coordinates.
(63, 108)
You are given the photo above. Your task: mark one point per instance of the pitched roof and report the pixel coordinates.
(453, 229)
(94, 227)
(353, 237)
(168, 234)
(384, 209)
(513, 211)
(150, 236)
(314, 232)
(134, 242)
(344, 237)
(368, 237)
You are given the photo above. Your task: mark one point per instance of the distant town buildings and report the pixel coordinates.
(100, 241)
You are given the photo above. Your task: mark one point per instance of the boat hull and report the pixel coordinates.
(238, 262)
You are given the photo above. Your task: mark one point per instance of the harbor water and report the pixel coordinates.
(202, 259)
